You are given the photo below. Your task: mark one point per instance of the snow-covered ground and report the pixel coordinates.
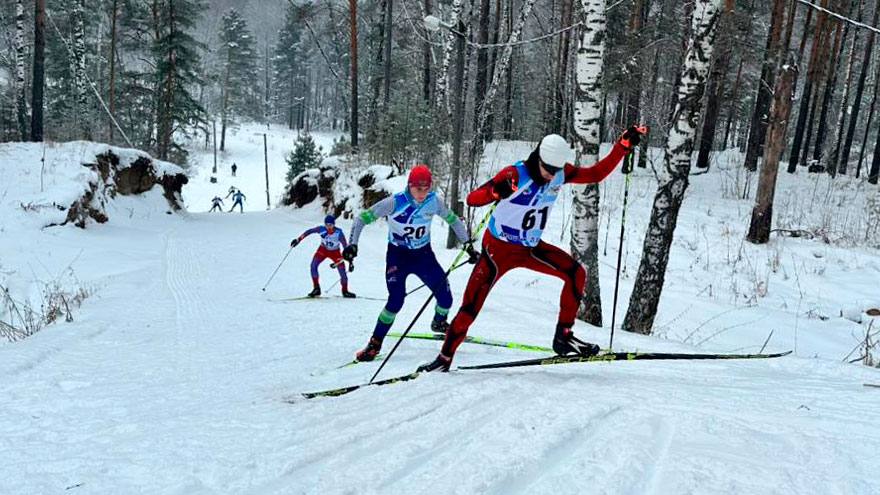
(172, 378)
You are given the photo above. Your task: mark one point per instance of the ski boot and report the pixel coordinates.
(370, 352)
(348, 295)
(441, 363)
(315, 292)
(439, 326)
(566, 343)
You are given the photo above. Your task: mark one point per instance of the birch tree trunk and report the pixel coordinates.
(442, 93)
(20, 82)
(79, 66)
(587, 122)
(674, 174)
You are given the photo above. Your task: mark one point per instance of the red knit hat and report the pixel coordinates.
(420, 176)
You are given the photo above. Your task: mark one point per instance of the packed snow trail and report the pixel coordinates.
(173, 379)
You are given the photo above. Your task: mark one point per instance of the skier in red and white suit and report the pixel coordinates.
(525, 193)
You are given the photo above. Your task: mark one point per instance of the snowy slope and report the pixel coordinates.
(173, 377)
(244, 147)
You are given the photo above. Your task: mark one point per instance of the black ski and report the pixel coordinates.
(344, 390)
(608, 357)
(618, 356)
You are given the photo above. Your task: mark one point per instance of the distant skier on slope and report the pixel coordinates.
(217, 204)
(237, 198)
(525, 193)
(332, 238)
(232, 190)
(409, 214)
(234, 168)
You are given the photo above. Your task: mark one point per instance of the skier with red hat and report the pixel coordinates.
(332, 238)
(525, 193)
(409, 214)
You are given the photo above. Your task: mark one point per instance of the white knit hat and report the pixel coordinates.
(555, 151)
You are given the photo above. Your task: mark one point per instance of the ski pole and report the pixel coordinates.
(427, 301)
(276, 270)
(627, 171)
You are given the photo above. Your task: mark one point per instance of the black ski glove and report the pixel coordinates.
(294, 242)
(503, 189)
(632, 136)
(473, 255)
(350, 252)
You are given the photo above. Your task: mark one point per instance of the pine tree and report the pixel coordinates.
(177, 58)
(287, 65)
(237, 55)
(305, 155)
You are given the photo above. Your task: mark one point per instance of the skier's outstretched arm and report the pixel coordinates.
(342, 238)
(379, 210)
(603, 168)
(305, 234)
(598, 171)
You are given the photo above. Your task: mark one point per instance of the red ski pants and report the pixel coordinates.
(499, 257)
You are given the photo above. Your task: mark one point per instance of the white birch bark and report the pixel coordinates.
(587, 120)
(673, 180)
(442, 93)
(20, 81)
(79, 62)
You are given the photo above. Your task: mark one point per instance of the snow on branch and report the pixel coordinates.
(839, 16)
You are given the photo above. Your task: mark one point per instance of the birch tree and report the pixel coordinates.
(676, 167)
(79, 67)
(442, 91)
(20, 82)
(587, 123)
